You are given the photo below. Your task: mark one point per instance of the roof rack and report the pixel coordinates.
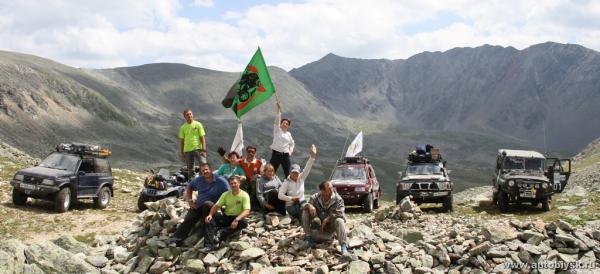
(354, 160)
(84, 149)
(425, 154)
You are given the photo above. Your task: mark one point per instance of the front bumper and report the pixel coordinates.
(34, 190)
(528, 193)
(353, 198)
(425, 196)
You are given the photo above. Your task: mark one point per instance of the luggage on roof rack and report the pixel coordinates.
(354, 160)
(84, 149)
(424, 153)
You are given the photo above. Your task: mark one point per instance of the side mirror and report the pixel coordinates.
(81, 173)
(448, 171)
(399, 174)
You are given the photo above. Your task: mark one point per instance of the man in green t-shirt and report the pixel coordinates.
(237, 208)
(192, 144)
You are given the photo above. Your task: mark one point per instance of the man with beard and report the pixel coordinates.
(209, 188)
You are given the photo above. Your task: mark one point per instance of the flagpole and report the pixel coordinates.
(341, 157)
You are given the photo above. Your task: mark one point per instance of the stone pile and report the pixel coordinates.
(396, 239)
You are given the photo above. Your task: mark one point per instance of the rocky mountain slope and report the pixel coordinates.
(489, 89)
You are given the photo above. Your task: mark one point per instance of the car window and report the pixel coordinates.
(102, 166)
(87, 165)
(60, 161)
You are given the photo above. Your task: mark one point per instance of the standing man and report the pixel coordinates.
(252, 168)
(192, 144)
(327, 206)
(292, 189)
(237, 208)
(209, 188)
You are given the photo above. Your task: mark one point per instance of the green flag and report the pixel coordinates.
(253, 87)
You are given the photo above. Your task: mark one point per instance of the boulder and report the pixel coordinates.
(54, 259)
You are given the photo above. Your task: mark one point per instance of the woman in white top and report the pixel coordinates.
(283, 143)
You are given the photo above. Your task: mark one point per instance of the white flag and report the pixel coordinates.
(238, 141)
(356, 146)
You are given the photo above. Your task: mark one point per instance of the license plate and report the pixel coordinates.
(28, 186)
(528, 194)
(440, 193)
(151, 191)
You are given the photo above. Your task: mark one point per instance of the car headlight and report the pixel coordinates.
(536, 186)
(544, 185)
(404, 186)
(47, 182)
(442, 185)
(511, 183)
(20, 177)
(360, 188)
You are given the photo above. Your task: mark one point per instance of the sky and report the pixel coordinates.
(224, 34)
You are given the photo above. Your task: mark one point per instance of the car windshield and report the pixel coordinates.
(519, 163)
(424, 169)
(60, 161)
(349, 173)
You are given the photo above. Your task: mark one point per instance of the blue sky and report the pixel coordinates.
(223, 34)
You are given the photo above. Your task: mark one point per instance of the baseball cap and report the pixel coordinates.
(296, 168)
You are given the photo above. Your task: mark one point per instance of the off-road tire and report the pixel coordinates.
(103, 199)
(62, 201)
(18, 198)
(141, 201)
(502, 201)
(376, 202)
(448, 203)
(368, 203)
(547, 203)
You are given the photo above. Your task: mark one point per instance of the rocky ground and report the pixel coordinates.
(396, 239)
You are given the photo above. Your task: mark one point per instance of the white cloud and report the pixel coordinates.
(120, 33)
(204, 3)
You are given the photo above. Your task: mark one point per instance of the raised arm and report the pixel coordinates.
(309, 163)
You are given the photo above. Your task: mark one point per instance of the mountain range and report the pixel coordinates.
(468, 101)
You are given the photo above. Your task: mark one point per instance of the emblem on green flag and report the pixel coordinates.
(253, 87)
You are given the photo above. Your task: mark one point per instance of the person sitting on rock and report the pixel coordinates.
(327, 208)
(237, 208)
(252, 169)
(292, 189)
(267, 190)
(231, 168)
(209, 188)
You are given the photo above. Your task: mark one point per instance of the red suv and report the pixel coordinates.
(354, 179)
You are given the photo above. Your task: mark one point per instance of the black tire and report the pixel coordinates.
(502, 201)
(18, 198)
(376, 203)
(547, 203)
(103, 198)
(62, 201)
(448, 203)
(368, 203)
(141, 202)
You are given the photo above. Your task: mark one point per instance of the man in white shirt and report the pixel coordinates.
(292, 189)
(283, 143)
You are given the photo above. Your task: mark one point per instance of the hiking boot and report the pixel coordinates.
(208, 248)
(344, 249)
(173, 240)
(310, 241)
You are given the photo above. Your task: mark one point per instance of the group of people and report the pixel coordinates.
(226, 195)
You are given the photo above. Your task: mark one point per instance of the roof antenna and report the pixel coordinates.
(544, 127)
(341, 156)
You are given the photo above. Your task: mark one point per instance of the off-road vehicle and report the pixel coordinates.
(528, 176)
(426, 178)
(354, 179)
(158, 186)
(73, 171)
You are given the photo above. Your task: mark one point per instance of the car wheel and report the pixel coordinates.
(448, 203)
(141, 202)
(103, 198)
(502, 201)
(376, 203)
(62, 201)
(18, 198)
(368, 203)
(547, 203)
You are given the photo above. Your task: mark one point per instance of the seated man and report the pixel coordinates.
(267, 188)
(209, 188)
(292, 189)
(237, 208)
(231, 168)
(327, 206)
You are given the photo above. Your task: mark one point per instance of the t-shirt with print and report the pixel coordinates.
(234, 204)
(191, 134)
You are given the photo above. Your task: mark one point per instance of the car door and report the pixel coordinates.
(558, 172)
(104, 173)
(374, 181)
(87, 178)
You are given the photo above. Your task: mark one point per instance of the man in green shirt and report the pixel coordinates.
(192, 144)
(237, 208)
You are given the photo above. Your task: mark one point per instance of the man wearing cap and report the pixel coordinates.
(292, 189)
